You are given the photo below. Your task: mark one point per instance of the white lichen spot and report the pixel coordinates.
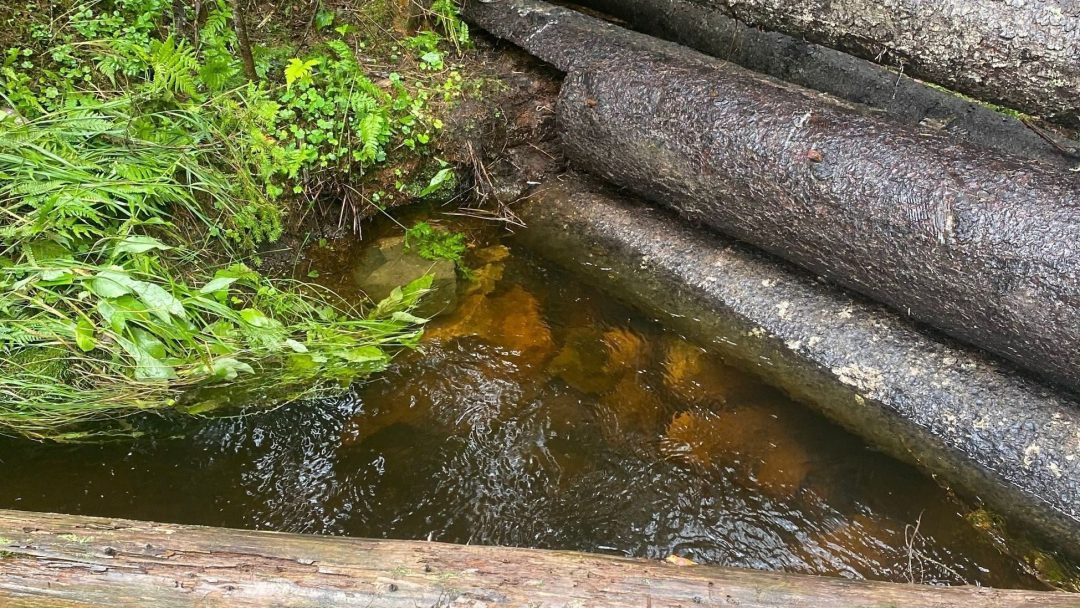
(767, 282)
(794, 344)
(1031, 453)
(813, 341)
(1055, 469)
(844, 314)
(782, 309)
(757, 332)
(868, 380)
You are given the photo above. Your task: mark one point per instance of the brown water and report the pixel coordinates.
(540, 414)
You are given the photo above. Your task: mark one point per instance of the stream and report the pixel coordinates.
(539, 413)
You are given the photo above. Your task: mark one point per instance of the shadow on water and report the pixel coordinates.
(540, 414)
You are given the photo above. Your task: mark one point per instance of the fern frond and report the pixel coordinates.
(372, 134)
(218, 70)
(174, 64)
(215, 30)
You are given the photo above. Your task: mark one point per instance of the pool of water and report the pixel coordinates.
(539, 413)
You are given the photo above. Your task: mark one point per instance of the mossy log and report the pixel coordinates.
(1022, 55)
(975, 243)
(67, 561)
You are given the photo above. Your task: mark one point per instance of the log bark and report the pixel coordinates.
(61, 560)
(977, 244)
(885, 88)
(1022, 55)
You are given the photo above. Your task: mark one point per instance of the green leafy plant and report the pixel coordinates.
(433, 243)
(448, 19)
(105, 310)
(139, 166)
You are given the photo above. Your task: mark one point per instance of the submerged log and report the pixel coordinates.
(1023, 55)
(977, 244)
(885, 88)
(64, 560)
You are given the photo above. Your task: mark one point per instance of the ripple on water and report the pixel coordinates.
(542, 414)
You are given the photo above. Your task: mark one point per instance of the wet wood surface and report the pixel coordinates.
(65, 560)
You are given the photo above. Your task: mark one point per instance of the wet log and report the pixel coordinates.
(1022, 55)
(884, 88)
(980, 245)
(63, 560)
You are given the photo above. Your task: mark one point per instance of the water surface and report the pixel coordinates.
(541, 414)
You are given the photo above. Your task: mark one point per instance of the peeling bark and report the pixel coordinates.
(63, 560)
(977, 244)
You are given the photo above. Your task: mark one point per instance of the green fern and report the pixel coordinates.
(219, 69)
(215, 30)
(174, 64)
(373, 132)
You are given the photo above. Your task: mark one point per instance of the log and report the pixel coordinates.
(64, 560)
(977, 244)
(1022, 55)
(884, 88)
(959, 415)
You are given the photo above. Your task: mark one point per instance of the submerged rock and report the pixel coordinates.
(751, 440)
(387, 264)
(631, 411)
(583, 362)
(699, 377)
(512, 319)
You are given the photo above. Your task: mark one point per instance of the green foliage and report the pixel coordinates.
(138, 166)
(448, 19)
(433, 243)
(104, 308)
(427, 44)
(175, 66)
